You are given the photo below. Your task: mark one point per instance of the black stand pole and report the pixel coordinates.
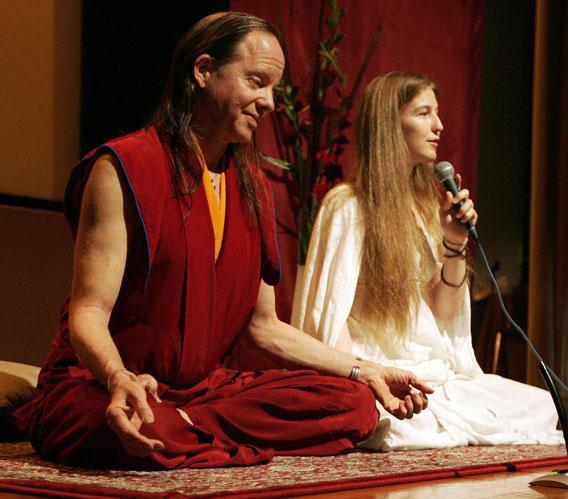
(557, 400)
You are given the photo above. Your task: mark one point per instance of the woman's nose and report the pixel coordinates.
(438, 125)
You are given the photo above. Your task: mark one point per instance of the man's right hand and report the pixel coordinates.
(128, 409)
(399, 392)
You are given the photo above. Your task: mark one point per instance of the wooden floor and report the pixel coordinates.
(495, 486)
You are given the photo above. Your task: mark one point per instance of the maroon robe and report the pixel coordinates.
(177, 315)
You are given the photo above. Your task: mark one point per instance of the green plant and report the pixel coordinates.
(311, 137)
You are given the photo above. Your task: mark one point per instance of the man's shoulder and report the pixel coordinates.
(141, 141)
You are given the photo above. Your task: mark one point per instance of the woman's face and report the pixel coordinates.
(422, 127)
(238, 94)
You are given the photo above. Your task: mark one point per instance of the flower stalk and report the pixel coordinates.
(311, 137)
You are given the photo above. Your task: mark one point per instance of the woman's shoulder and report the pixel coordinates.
(340, 204)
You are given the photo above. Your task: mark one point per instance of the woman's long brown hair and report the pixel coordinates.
(396, 261)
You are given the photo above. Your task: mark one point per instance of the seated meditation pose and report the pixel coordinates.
(386, 279)
(175, 258)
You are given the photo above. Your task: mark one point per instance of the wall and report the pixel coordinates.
(504, 141)
(39, 91)
(503, 181)
(35, 269)
(40, 44)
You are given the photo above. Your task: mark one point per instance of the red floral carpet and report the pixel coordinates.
(22, 471)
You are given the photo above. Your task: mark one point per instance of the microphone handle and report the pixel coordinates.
(450, 185)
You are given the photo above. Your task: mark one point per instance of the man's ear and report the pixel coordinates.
(202, 68)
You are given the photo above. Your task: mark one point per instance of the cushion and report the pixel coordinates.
(17, 384)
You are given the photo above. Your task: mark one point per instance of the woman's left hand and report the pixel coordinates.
(453, 221)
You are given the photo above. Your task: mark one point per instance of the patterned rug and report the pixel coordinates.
(22, 471)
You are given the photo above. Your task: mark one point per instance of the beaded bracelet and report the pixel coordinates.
(455, 255)
(454, 252)
(451, 284)
(464, 244)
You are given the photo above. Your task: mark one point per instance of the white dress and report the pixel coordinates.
(468, 407)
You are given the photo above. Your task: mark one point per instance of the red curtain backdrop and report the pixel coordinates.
(441, 38)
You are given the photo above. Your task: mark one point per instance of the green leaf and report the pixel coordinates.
(290, 114)
(280, 163)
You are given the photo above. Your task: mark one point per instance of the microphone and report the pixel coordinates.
(445, 174)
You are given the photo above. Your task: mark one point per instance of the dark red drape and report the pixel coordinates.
(441, 38)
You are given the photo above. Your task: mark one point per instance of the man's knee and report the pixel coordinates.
(73, 417)
(366, 416)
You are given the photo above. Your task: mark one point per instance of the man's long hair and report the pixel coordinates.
(397, 263)
(217, 35)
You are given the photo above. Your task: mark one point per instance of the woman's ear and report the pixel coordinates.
(202, 69)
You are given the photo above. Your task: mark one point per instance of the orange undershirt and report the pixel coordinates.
(216, 207)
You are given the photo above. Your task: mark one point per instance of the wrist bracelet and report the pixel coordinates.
(451, 284)
(122, 370)
(454, 251)
(455, 255)
(464, 244)
(355, 370)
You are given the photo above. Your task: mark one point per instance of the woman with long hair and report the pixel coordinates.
(386, 279)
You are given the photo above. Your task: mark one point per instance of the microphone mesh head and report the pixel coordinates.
(444, 170)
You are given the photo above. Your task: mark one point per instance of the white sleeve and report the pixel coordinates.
(323, 301)
(458, 330)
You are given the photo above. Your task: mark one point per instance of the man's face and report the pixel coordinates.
(238, 94)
